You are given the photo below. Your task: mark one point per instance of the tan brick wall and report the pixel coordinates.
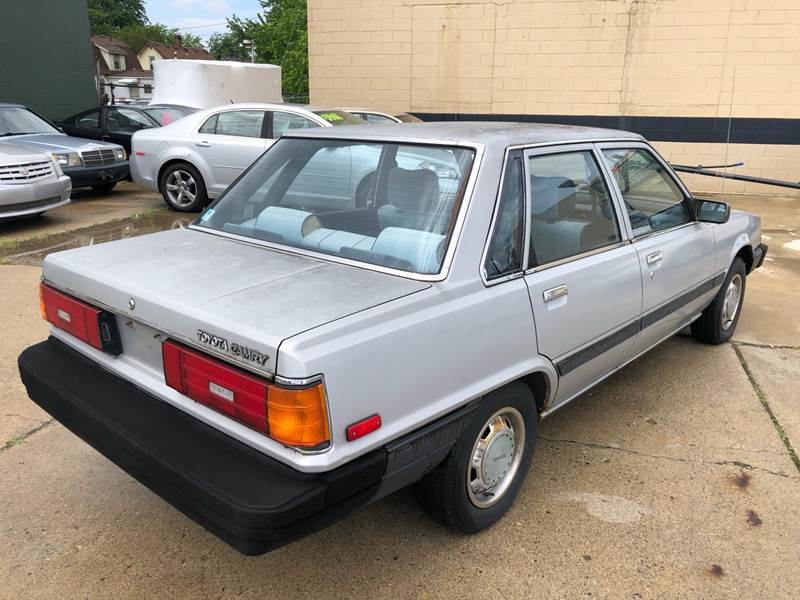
(709, 58)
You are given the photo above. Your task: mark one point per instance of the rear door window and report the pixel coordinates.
(241, 123)
(571, 210)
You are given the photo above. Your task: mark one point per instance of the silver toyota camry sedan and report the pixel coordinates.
(195, 159)
(324, 335)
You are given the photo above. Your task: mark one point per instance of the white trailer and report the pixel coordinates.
(208, 83)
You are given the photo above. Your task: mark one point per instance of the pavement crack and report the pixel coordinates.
(762, 397)
(767, 346)
(21, 438)
(724, 463)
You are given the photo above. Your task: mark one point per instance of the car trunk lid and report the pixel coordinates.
(231, 298)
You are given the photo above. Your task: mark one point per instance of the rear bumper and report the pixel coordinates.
(759, 254)
(249, 500)
(89, 176)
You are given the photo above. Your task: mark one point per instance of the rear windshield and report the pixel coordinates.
(339, 117)
(164, 116)
(388, 204)
(407, 118)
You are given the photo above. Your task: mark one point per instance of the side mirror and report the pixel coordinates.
(710, 211)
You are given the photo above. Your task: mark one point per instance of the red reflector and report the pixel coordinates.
(73, 316)
(224, 388)
(138, 153)
(363, 427)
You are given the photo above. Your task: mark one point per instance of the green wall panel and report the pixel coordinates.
(46, 56)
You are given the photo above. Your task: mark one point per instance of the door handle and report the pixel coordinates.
(203, 144)
(654, 257)
(555, 293)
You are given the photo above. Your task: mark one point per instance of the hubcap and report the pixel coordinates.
(730, 305)
(496, 456)
(181, 188)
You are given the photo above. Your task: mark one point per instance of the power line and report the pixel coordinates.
(196, 26)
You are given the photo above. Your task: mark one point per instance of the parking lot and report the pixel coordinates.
(675, 478)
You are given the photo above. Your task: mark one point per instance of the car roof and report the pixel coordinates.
(273, 106)
(488, 133)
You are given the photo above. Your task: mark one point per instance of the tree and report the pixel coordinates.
(105, 16)
(280, 37)
(137, 35)
(228, 46)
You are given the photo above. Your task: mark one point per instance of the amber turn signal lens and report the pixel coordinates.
(42, 305)
(298, 416)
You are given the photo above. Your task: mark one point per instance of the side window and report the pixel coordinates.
(241, 123)
(652, 197)
(125, 120)
(210, 126)
(505, 248)
(91, 120)
(284, 121)
(571, 208)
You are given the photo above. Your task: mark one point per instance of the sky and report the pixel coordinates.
(199, 17)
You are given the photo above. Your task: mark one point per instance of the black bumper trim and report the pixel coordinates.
(88, 176)
(249, 500)
(759, 255)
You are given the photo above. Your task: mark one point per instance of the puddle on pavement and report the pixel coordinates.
(32, 251)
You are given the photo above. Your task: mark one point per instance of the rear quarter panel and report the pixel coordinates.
(417, 358)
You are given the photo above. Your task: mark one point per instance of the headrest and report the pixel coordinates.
(413, 189)
(552, 197)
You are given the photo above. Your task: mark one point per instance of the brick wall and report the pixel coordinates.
(685, 58)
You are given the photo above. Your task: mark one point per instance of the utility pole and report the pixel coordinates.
(252, 47)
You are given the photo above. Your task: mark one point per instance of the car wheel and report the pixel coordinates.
(480, 478)
(183, 188)
(718, 321)
(104, 187)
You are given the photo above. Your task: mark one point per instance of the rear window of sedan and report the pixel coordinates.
(164, 116)
(387, 204)
(339, 117)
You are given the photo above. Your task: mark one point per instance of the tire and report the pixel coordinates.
(448, 492)
(104, 187)
(718, 321)
(183, 188)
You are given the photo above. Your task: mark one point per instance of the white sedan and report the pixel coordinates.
(194, 160)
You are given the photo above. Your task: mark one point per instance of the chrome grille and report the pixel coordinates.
(24, 172)
(95, 158)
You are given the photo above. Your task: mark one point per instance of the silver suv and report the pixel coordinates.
(30, 182)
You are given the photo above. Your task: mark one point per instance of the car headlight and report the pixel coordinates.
(68, 159)
(119, 154)
(56, 166)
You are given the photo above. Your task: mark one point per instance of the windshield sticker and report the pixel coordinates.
(207, 215)
(331, 117)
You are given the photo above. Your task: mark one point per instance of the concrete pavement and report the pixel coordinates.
(669, 480)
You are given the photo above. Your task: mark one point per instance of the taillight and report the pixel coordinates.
(96, 327)
(292, 416)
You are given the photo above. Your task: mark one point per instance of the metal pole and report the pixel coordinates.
(700, 171)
